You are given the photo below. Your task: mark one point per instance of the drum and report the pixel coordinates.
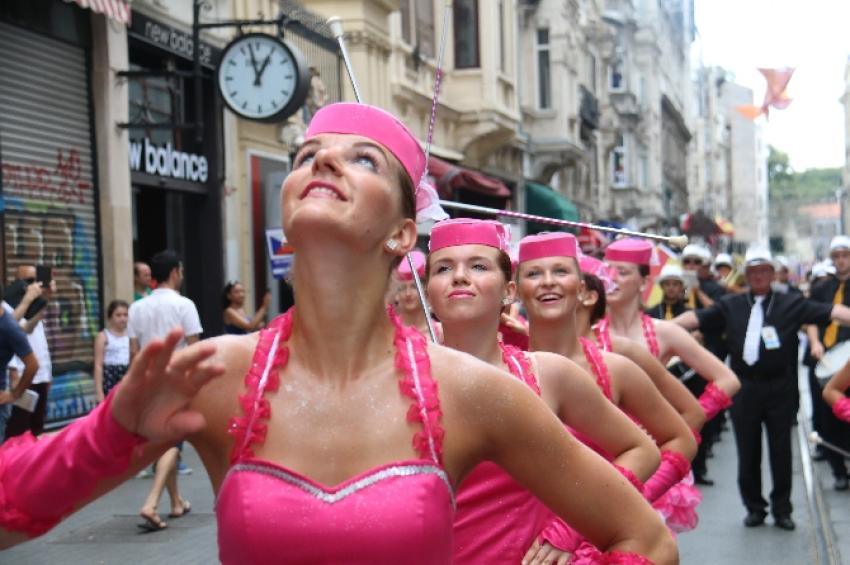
(832, 361)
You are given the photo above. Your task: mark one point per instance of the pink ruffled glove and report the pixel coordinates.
(587, 554)
(713, 400)
(673, 469)
(841, 409)
(560, 535)
(43, 480)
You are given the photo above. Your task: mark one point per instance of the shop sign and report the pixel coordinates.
(167, 162)
(171, 39)
(281, 254)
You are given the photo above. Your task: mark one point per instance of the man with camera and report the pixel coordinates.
(28, 297)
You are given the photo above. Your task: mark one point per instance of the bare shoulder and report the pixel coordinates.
(667, 330)
(618, 364)
(474, 394)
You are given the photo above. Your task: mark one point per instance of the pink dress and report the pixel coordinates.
(399, 512)
(498, 519)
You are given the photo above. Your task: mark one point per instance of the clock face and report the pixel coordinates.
(261, 78)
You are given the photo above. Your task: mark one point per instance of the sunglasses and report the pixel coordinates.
(691, 261)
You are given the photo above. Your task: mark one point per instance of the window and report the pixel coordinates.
(618, 163)
(418, 30)
(465, 14)
(616, 80)
(644, 171)
(544, 80)
(591, 73)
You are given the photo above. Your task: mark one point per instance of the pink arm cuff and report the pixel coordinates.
(43, 480)
(560, 535)
(673, 469)
(713, 400)
(841, 409)
(587, 554)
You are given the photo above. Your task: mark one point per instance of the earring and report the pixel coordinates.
(391, 244)
(507, 301)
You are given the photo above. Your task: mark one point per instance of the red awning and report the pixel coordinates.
(451, 177)
(118, 10)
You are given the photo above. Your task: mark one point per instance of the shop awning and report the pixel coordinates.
(118, 10)
(451, 177)
(542, 200)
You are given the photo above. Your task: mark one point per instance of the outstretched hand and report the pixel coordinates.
(153, 398)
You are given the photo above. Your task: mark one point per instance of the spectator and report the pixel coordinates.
(150, 318)
(13, 342)
(22, 420)
(236, 320)
(141, 280)
(111, 350)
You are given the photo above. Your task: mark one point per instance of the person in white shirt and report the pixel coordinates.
(21, 420)
(153, 317)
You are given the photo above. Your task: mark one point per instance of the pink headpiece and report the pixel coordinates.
(376, 124)
(465, 231)
(381, 126)
(630, 250)
(554, 244)
(403, 271)
(594, 266)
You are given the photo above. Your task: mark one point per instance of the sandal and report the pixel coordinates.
(187, 507)
(152, 523)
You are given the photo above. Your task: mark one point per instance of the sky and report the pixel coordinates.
(812, 36)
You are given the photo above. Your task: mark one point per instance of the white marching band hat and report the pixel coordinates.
(670, 272)
(839, 242)
(758, 255)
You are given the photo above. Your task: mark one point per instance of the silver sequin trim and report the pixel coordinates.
(333, 497)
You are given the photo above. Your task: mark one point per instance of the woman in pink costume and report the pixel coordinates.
(550, 286)
(44, 480)
(406, 298)
(629, 260)
(678, 504)
(597, 278)
(469, 280)
(337, 434)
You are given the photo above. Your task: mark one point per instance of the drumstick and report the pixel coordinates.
(814, 438)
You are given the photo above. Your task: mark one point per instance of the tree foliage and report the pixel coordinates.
(811, 185)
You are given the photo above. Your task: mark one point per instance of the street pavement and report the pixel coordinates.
(105, 532)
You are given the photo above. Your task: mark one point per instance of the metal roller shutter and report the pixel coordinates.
(50, 211)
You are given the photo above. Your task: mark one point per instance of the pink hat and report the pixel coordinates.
(403, 271)
(375, 124)
(554, 244)
(465, 231)
(630, 250)
(594, 266)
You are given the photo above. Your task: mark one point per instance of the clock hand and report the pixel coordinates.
(254, 65)
(263, 69)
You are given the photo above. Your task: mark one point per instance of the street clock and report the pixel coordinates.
(263, 78)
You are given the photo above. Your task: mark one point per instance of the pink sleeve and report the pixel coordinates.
(673, 468)
(713, 400)
(43, 480)
(841, 409)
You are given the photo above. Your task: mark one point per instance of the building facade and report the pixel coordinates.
(611, 128)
